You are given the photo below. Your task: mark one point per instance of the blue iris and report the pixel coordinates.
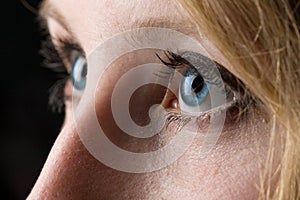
(193, 88)
(79, 72)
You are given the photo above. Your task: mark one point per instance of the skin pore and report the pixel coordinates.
(230, 171)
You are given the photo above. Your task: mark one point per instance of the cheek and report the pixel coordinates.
(228, 172)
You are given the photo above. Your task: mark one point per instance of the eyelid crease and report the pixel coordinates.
(48, 10)
(177, 60)
(236, 110)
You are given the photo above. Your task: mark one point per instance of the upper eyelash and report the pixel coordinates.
(175, 61)
(65, 48)
(56, 59)
(52, 59)
(245, 101)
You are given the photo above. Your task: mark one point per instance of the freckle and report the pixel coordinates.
(108, 4)
(203, 122)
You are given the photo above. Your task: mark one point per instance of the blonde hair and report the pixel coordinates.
(261, 40)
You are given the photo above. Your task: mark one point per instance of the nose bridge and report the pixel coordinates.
(65, 168)
(71, 172)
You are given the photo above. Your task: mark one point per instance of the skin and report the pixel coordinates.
(230, 171)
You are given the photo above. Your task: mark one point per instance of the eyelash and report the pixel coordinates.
(56, 59)
(234, 112)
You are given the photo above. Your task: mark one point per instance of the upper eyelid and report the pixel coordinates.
(67, 44)
(234, 82)
(48, 10)
(65, 48)
(183, 25)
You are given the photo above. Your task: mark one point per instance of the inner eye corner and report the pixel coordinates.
(170, 102)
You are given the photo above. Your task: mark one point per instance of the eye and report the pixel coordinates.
(193, 89)
(203, 81)
(79, 72)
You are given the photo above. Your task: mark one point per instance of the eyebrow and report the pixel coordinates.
(185, 26)
(181, 24)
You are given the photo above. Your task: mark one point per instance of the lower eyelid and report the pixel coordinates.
(170, 101)
(232, 121)
(232, 109)
(68, 90)
(236, 110)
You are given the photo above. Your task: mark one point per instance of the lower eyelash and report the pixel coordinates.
(235, 111)
(178, 119)
(57, 96)
(53, 61)
(235, 114)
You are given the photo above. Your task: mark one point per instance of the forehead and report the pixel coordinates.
(92, 21)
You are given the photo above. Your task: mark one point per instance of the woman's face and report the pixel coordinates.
(231, 170)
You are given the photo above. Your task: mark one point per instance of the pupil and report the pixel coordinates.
(198, 84)
(84, 71)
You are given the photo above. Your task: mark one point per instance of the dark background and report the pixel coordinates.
(28, 127)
